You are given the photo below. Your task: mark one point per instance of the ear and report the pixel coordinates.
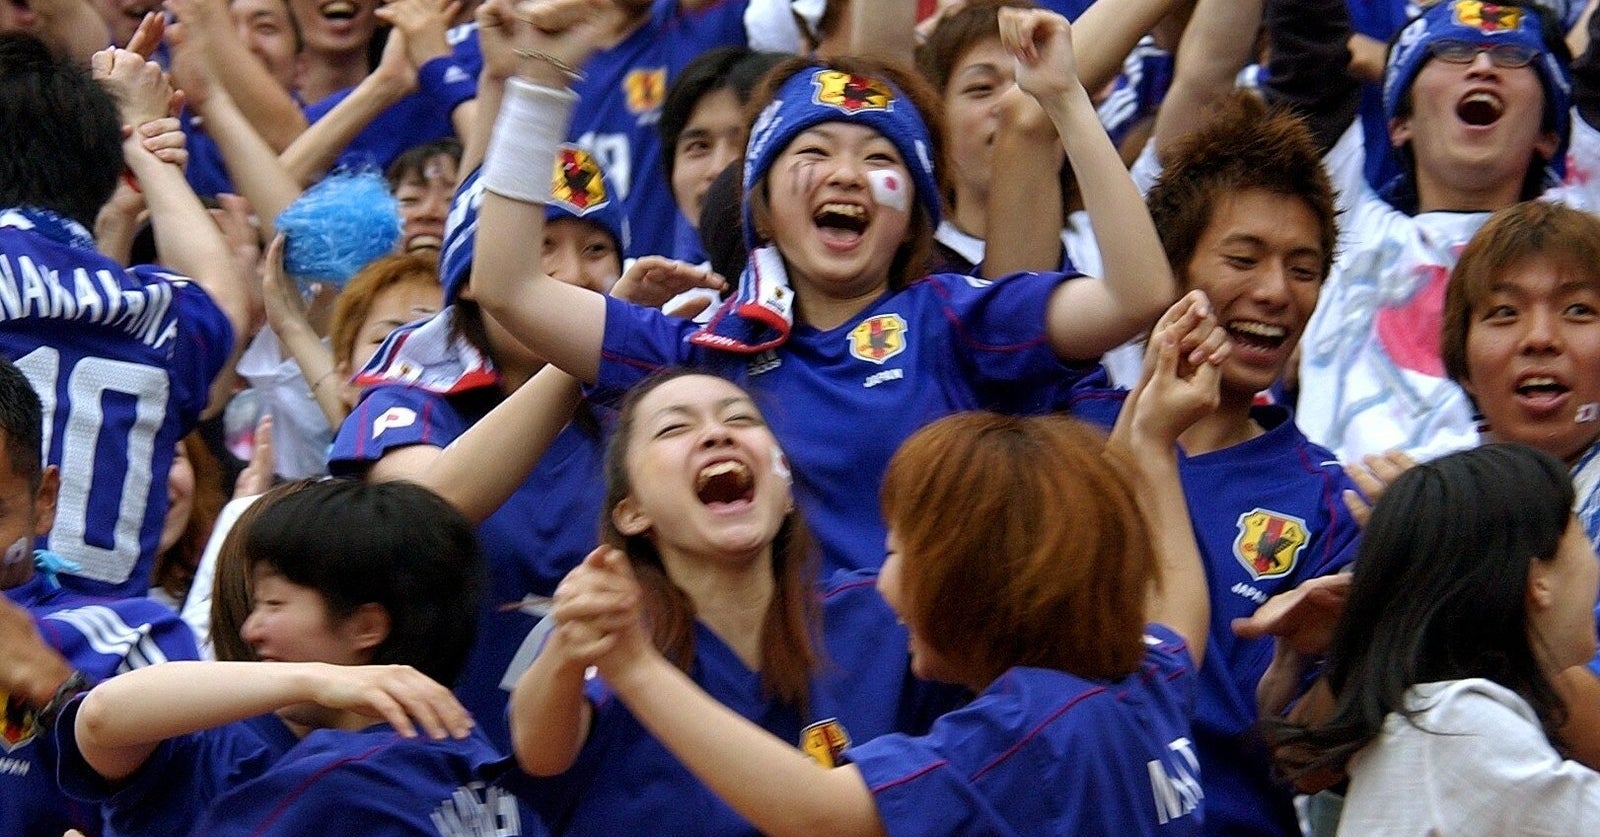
(367, 628)
(1546, 147)
(1399, 132)
(44, 503)
(1541, 586)
(628, 519)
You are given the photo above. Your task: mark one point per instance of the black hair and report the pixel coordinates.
(393, 544)
(1440, 593)
(725, 68)
(22, 422)
(60, 132)
(414, 160)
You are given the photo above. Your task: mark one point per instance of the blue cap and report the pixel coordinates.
(1478, 22)
(816, 95)
(579, 191)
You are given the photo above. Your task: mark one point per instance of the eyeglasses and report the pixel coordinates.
(1504, 56)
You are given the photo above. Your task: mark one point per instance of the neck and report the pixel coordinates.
(1228, 425)
(971, 214)
(730, 597)
(16, 575)
(324, 75)
(1433, 195)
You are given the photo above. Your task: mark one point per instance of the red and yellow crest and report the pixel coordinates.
(1269, 543)
(576, 181)
(825, 742)
(878, 338)
(16, 727)
(852, 93)
(1488, 18)
(646, 89)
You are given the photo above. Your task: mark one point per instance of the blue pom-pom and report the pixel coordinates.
(338, 226)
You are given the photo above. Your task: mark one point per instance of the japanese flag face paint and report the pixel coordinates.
(18, 552)
(889, 189)
(1587, 413)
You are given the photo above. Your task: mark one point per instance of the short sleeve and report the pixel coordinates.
(389, 417)
(920, 792)
(637, 342)
(205, 340)
(1000, 336)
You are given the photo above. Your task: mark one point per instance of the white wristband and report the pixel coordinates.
(522, 150)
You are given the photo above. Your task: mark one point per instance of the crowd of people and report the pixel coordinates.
(720, 417)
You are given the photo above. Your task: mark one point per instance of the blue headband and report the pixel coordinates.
(1478, 22)
(820, 94)
(578, 191)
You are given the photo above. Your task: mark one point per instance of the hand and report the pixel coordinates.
(497, 20)
(652, 281)
(1303, 618)
(191, 62)
(1177, 387)
(236, 221)
(148, 36)
(164, 138)
(286, 309)
(394, 65)
(1022, 115)
(424, 23)
(1041, 43)
(29, 668)
(567, 30)
(605, 596)
(944, 9)
(1373, 475)
(257, 476)
(138, 85)
(400, 695)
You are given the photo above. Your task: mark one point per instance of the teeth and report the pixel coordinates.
(1540, 381)
(849, 209)
(1490, 98)
(714, 470)
(1259, 329)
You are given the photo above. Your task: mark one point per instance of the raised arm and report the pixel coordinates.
(315, 150)
(1216, 44)
(71, 28)
(265, 103)
(186, 238)
(124, 719)
(560, 322)
(1086, 318)
(1309, 67)
(1172, 394)
(1108, 30)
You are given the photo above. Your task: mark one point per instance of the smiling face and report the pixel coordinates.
(266, 30)
(706, 478)
(926, 663)
(424, 197)
(713, 137)
(1561, 600)
(1472, 129)
(290, 623)
(1260, 262)
(582, 254)
(836, 238)
(335, 27)
(971, 105)
(1533, 357)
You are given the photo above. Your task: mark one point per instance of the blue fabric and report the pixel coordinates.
(147, 343)
(1043, 752)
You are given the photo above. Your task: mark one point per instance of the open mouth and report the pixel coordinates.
(843, 219)
(1263, 337)
(423, 241)
(1541, 389)
(338, 10)
(725, 483)
(1480, 109)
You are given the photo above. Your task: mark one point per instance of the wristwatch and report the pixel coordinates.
(45, 719)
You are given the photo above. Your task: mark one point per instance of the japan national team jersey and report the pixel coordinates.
(1267, 515)
(122, 361)
(625, 782)
(1042, 752)
(841, 401)
(620, 102)
(1370, 373)
(101, 638)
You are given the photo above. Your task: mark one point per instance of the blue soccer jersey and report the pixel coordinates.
(620, 104)
(101, 638)
(625, 782)
(1268, 515)
(529, 543)
(123, 361)
(841, 401)
(1042, 752)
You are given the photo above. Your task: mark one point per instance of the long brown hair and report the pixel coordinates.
(788, 632)
(174, 569)
(1021, 544)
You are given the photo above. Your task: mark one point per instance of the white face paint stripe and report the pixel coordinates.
(780, 466)
(889, 189)
(1587, 413)
(18, 552)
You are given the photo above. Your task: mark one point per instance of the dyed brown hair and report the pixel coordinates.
(230, 591)
(1567, 239)
(355, 301)
(174, 569)
(788, 656)
(1021, 544)
(911, 258)
(1245, 146)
